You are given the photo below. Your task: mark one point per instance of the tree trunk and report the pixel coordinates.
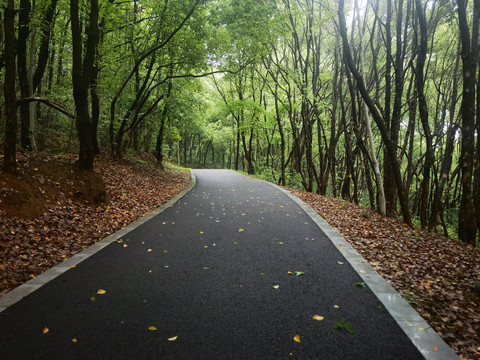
(23, 32)
(9, 93)
(467, 225)
(82, 73)
(423, 110)
(391, 150)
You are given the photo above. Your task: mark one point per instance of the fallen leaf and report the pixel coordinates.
(149, 250)
(152, 328)
(362, 272)
(173, 338)
(336, 306)
(340, 263)
(290, 273)
(74, 340)
(93, 298)
(101, 292)
(299, 273)
(421, 329)
(73, 266)
(125, 245)
(241, 230)
(45, 330)
(434, 348)
(276, 287)
(201, 232)
(361, 284)
(296, 338)
(318, 317)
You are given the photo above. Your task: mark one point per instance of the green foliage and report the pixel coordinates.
(341, 324)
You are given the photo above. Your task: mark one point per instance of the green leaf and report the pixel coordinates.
(361, 284)
(299, 273)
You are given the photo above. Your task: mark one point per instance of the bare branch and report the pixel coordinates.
(48, 103)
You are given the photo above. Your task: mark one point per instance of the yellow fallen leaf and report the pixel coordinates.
(318, 317)
(262, 273)
(340, 263)
(362, 272)
(74, 340)
(73, 266)
(93, 298)
(149, 250)
(173, 338)
(201, 232)
(276, 287)
(241, 230)
(152, 328)
(46, 330)
(235, 243)
(296, 338)
(336, 306)
(280, 243)
(290, 273)
(421, 329)
(205, 246)
(173, 222)
(409, 324)
(101, 292)
(165, 251)
(125, 245)
(149, 271)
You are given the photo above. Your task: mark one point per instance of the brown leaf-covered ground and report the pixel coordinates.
(439, 277)
(50, 210)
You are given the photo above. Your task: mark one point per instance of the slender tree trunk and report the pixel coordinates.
(9, 93)
(391, 150)
(31, 88)
(82, 72)
(23, 32)
(371, 145)
(467, 225)
(423, 110)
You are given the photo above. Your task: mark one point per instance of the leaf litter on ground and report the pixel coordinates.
(66, 224)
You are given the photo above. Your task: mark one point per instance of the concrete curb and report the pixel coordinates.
(30, 286)
(416, 328)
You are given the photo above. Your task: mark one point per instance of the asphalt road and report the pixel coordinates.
(199, 281)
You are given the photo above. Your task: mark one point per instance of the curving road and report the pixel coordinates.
(204, 273)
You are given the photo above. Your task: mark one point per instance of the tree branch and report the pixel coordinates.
(48, 103)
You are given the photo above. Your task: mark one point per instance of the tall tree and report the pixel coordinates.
(9, 92)
(391, 149)
(467, 225)
(83, 63)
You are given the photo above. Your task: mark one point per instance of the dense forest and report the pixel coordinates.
(373, 101)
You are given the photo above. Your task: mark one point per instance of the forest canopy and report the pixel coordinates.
(373, 101)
